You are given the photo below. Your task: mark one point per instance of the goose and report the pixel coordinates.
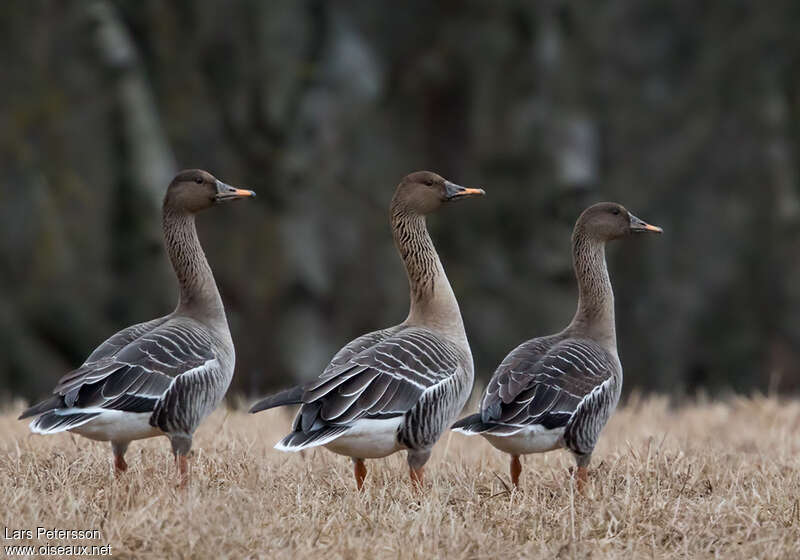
(401, 387)
(164, 376)
(558, 391)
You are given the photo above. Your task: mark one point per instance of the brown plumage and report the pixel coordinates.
(164, 376)
(400, 387)
(559, 390)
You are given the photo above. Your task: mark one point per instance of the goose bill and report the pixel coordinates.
(640, 226)
(225, 192)
(457, 192)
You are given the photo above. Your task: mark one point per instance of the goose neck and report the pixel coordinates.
(433, 303)
(198, 294)
(594, 317)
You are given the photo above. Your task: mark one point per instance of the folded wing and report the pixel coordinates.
(544, 382)
(132, 370)
(383, 380)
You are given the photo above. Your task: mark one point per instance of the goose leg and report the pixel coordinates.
(182, 464)
(181, 445)
(119, 448)
(417, 476)
(416, 465)
(516, 470)
(582, 476)
(582, 471)
(360, 472)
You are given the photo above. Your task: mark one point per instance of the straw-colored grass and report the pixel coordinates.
(715, 480)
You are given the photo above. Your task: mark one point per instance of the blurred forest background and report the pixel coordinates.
(686, 112)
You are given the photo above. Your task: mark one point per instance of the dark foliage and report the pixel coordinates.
(686, 112)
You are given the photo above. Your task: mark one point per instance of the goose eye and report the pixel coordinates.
(198, 180)
(429, 182)
(615, 211)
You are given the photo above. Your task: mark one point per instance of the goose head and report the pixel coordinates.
(424, 192)
(607, 221)
(193, 190)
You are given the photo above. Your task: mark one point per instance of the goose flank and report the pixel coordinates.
(164, 376)
(560, 390)
(400, 387)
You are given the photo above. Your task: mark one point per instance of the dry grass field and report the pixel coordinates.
(718, 480)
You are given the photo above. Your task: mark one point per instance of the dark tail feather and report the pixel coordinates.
(52, 422)
(471, 424)
(56, 401)
(287, 397)
(297, 441)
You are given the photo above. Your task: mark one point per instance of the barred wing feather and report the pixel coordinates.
(120, 340)
(381, 381)
(356, 347)
(544, 382)
(135, 376)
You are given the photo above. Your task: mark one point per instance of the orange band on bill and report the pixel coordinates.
(468, 191)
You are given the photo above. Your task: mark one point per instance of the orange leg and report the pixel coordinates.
(118, 448)
(120, 466)
(119, 463)
(182, 462)
(360, 472)
(516, 470)
(581, 478)
(417, 476)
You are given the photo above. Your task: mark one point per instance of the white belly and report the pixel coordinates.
(369, 439)
(117, 425)
(530, 439)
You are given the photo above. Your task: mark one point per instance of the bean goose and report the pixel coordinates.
(162, 377)
(401, 387)
(559, 390)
